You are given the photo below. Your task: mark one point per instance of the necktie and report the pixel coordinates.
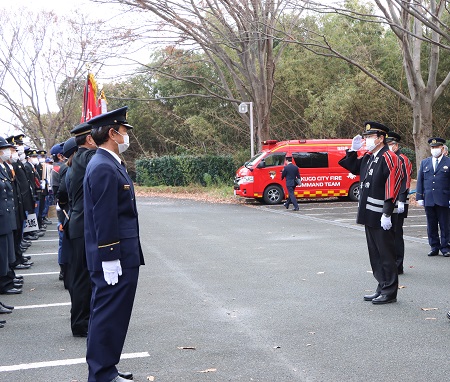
(435, 164)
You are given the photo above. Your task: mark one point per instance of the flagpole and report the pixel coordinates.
(86, 91)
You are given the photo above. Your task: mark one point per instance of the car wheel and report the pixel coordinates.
(353, 193)
(273, 194)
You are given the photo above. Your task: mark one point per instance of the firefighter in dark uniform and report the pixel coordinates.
(393, 140)
(113, 247)
(433, 192)
(380, 175)
(7, 223)
(80, 284)
(291, 173)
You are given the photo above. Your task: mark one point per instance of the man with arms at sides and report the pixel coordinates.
(433, 192)
(291, 173)
(113, 247)
(393, 140)
(380, 175)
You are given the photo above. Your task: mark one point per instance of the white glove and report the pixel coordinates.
(357, 143)
(420, 203)
(111, 271)
(386, 223)
(401, 207)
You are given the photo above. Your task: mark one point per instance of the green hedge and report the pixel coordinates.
(183, 170)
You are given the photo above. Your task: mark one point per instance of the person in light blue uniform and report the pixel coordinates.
(433, 192)
(113, 248)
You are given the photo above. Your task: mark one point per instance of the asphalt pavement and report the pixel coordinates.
(246, 292)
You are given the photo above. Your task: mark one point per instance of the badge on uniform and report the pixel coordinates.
(376, 160)
(367, 185)
(371, 171)
(126, 187)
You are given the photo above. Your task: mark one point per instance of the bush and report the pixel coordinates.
(183, 170)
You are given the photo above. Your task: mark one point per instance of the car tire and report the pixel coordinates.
(353, 193)
(273, 194)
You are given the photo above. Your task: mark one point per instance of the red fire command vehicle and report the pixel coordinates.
(322, 177)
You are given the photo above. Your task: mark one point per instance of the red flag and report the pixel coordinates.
(90, 104)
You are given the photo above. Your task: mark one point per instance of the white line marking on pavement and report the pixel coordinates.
(46, 240)
(41, 306)
(40, 274)
(41, 254)
(64, 362)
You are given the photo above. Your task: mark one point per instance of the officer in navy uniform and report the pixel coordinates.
(433, 192)
(393, 140)
(80, 283)
(380, 175)
(113, 246)
(7, 223)
(291, 173)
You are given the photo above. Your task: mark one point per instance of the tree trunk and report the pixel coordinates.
(422, 126)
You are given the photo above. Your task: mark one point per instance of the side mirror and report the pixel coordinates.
(261, 164)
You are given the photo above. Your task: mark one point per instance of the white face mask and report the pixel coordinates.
(34, 160)
(126, 143)
(14, 157)
(22, 157)
(20, 149)
(5, 155)
(436, 153)
(370, 144)
(41, 160)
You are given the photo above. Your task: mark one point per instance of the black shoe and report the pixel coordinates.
(18, 281)
(295, 209)
(46, 221)
(28, 262)
(22, 266)
(2, 322)
(6, 306)
(400, 271)
(24, 243)
(433, 253)
(12, 291)
(448, 315)
(17, 277)
(32, 237)
(383, 299)
(286, 205)
(446, 254)
(370, 297)
(2, 326)
(126, 375)
(61, 276)
(27, 257)
(4, 310)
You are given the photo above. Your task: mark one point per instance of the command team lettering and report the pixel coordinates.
(321, 181)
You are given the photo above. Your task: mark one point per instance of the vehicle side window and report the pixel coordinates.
(275, 159)
(311, 159)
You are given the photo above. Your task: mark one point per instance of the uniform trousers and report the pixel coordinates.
(438, 218)
(80, 287)
(111, 307)
(381, 246)
(399, 243)
(291, 198)
(7, 257)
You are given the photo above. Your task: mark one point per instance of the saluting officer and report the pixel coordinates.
(113, 246)
(393, 140)
(380, 174)
(432, 192)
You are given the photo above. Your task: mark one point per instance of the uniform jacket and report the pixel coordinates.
(33, 180)
(433, 187)
(7, 209)
(78, 169)
(403, 195)
(18, 205)
(111, 219)
(25, 187)
(380, 184)
(290, 172)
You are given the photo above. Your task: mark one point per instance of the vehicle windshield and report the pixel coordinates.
(253, 160)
